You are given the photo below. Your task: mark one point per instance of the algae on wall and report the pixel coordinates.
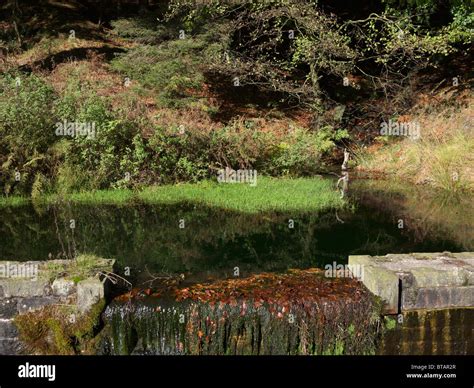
(60, 330)
(299, 313)
(431, 332)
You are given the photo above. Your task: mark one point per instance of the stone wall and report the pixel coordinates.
(29, 286)
(416, 281)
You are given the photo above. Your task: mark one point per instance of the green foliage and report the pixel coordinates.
(50, 331)
(170, 70)
(461, 30)
(222, 40)
(106, 157)
(240, 144)
(110, 156)
(144, 30)
(390, 323)
(178, 157)
(26, 132)
(302, 152)
(22, 106)
(264, 52)
(118, 155)
(407, 32)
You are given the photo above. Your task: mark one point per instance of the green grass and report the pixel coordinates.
(270, 194)
(13, 201)
(83, 267)
(442, 157)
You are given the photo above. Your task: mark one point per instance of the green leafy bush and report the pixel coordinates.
(105, 158)
(171, 71)
(26, 130)
(102, 160)
(195, 155)
(178, 156)
(301, 152)
(144, 30)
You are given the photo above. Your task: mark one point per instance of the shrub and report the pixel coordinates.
(144, 30)
(179, 156)
(301, 152)
(171, 71)
(240, 144)
(108, 157)
(100, 161)
(26, 130)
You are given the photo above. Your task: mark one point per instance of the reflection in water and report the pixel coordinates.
(343, 183)
(215, 241)
(147, 239)
(427, 214)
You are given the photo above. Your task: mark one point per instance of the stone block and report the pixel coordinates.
(26, 305)
(9, 346)
(14, 287)
(428, 280)
(89, 292)
(379, 280)
(7, 329)
(8, 308)
(63, 287)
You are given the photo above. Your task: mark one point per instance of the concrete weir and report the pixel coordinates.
(419, 280)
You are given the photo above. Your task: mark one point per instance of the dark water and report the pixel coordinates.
(147, 239)
(380, 219)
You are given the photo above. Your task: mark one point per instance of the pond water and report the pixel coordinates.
(147, 241)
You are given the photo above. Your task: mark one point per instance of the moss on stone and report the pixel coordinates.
(390, 322)
(59, 330)
(82, 267)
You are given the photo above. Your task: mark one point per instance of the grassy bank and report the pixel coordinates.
(270, 194)
(167, 126)
(442, 157)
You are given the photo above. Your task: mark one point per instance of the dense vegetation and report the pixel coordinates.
(173, 91)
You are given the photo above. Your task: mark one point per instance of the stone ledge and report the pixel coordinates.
(89, 292)
(26, 287)
(8, 329)
(428, 280)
